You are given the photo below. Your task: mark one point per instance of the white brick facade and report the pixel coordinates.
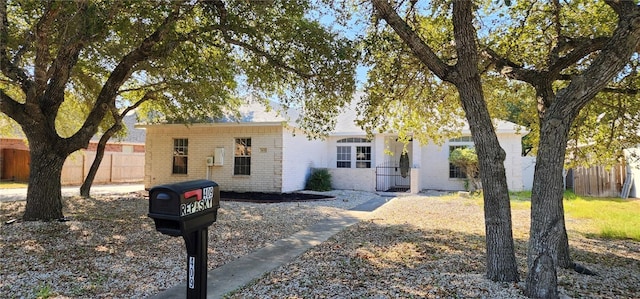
(282, 157)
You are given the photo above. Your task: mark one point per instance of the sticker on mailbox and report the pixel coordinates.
(204, 201)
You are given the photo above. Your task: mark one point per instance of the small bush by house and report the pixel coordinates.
(319, 180)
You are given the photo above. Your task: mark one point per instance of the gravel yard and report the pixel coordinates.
(413, 247)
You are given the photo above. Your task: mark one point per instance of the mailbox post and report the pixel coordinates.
(187, 209)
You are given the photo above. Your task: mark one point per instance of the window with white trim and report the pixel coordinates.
(456, 172)
(344, 157)
(351, 153)
(180, 158)
(242, 157)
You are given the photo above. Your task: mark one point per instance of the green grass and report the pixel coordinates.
(43, 291)
(613, 218)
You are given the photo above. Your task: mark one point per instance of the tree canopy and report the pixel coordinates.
(179, 60)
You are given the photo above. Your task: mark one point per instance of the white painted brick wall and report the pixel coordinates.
(434, 171)
(301, 156)
(363, 179)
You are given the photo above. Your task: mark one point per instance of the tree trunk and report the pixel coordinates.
(501, 259)
(547, 212)
(85, 188)
(44, 196)
(93, 170)
(563, 259)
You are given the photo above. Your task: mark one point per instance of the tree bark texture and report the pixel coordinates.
(547, 218)
(547, 232)
(563, 258)
(501, 260)
(85, 188)
(44, 197)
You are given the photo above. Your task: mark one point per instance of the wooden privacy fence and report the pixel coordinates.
(116, 167)
(15, 164)
(598, 181)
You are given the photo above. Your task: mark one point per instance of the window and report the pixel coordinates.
(344, 157)
(363, 157)
(460, 142)
(242, 157)
(354, 140)
(127, 149)
(345, 154)
(464, 139)
(180, 152)
(455, 172)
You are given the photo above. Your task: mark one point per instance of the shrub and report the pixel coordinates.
(319, 180)
(467, 160)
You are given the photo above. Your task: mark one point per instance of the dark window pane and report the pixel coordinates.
(363, 157)
(180, 152)
(344, 164)
(242, 166)
(242, 157)
(180, 165)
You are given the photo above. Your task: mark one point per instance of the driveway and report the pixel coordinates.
(21, 193)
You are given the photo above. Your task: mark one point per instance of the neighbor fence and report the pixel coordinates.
(599, 181)
(116, 167)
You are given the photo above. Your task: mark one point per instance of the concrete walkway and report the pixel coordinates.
(240, 272)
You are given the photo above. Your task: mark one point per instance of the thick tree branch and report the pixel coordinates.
(621, 6)
(122, 72)
(11, 107)
(581, 48)
(224, 27)
(42, 46)
(9, 69)
(625, 91)
(422, 51)
(611, 59)
(509, 68)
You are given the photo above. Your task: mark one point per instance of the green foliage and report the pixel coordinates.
(604, 128)
(520, 37)
(606, 125)
(211, 57)
(467, 159)
(70, 69)
(319, 180)
(44, 291)
(401, 94)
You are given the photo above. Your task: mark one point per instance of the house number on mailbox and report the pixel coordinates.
(204, 200)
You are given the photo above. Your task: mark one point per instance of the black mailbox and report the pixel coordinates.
(187, 209)
(184, 207)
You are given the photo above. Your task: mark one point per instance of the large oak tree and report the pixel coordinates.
(567, 73)
(458, 66)
(188, 59)
(573, 68)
